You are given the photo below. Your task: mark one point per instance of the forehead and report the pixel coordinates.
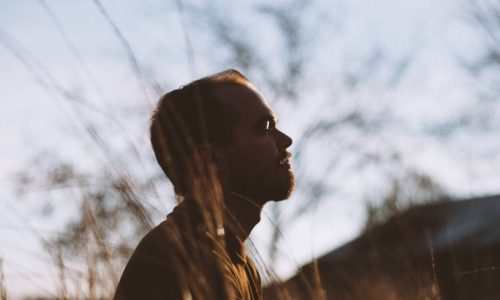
(243, 103)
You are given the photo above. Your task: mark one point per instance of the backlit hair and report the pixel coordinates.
(190, 116)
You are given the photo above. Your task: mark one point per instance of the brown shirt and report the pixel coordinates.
(179, 259)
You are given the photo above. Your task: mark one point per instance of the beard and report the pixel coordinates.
(283, 189)
(277, 186)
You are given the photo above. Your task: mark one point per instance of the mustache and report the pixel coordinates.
(285, 156)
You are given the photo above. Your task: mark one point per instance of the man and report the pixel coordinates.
(216, 140)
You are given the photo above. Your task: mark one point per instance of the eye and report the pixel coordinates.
(265, 126)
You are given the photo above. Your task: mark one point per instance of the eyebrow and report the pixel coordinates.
(267, 117)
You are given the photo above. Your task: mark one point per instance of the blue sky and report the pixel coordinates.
(435, 87)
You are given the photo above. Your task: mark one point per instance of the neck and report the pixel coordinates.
(242, 214)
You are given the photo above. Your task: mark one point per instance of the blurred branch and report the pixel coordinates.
(136, 68)
(187, 38)
(73, 49)
(3, 288)
(485, 15)
(410, 189)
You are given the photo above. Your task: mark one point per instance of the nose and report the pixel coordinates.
(283, 141)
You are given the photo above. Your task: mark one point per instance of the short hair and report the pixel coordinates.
(189, 116)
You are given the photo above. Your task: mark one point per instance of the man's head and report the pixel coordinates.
(224, 121)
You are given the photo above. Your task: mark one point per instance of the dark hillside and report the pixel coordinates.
(449, 250)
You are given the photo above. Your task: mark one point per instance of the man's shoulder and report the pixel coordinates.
(165, 243)
(156, 241)
(152, 252)
(150, 270)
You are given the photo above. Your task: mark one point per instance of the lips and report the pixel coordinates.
(285, 166)
(284, 160)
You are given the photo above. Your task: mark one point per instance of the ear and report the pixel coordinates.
(211, 153)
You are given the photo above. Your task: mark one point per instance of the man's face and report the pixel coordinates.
(258, 162)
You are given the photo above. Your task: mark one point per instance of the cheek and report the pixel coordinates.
(256, 153)
(261, 152)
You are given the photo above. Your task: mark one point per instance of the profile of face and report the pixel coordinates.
(258, 163)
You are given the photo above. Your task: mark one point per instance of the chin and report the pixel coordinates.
(284, 188)
(270, 188)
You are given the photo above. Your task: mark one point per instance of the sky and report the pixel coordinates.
(36, 122)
